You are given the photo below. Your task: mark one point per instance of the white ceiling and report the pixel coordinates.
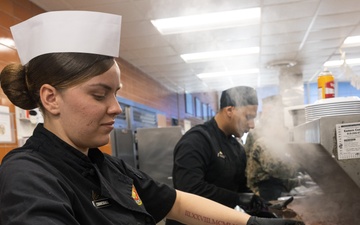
(309, 32)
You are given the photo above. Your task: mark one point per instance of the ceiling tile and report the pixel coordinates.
(143, 42)
(287, 26)
(289, 11)
(336, 20)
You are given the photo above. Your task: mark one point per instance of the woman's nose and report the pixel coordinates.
(115, 107)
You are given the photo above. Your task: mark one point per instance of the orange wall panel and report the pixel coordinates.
(8, 55)
(106, 149)
(7, 6)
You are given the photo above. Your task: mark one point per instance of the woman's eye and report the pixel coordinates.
(99, 97)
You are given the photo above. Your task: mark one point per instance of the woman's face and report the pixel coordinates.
(87, 111)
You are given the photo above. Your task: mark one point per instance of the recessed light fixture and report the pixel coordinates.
(213, 55)
(227, 73)
(281, 64)
(208, 21)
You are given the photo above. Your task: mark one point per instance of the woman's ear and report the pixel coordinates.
(49, 99)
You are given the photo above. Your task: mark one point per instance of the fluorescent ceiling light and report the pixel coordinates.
(7, 42)
(333, 63)
(227, 73)
(207, 56)
(208, 21)
(336, 63)
(352, 41)
(3, 48)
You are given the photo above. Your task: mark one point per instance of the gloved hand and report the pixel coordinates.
(254, 205)
(283, 204)
(245, 199)
(272, 221)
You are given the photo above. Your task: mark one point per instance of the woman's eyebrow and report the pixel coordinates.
(105, 86)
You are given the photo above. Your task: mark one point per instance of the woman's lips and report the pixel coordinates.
(109, 125)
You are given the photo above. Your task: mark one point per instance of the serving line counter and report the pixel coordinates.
(328, 149)
(314, 145)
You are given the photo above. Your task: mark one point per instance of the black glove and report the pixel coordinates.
(272, 221)
(253, 204)
(245, 199)
(282, 205)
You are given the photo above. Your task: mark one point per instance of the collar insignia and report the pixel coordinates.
(221, 155)
(135, 196)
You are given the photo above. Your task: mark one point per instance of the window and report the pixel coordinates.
(189, 104)
(205, 111)
(198, 108)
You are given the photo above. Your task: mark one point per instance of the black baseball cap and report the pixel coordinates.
(238, 96)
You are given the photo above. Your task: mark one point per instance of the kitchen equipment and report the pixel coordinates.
(155, 147)
(332, 107)
(315, 147)
(122, 142)
(280, 209)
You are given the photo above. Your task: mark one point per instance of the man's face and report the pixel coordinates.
(242, 119)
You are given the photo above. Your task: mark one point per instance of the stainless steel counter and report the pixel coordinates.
(314, 145)
(319, 137)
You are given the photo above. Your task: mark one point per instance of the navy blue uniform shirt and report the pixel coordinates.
(49, 182)
(210, 164)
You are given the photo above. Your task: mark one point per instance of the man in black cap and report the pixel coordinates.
(209, 160)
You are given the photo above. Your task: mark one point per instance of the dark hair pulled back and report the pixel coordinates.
(22, 84)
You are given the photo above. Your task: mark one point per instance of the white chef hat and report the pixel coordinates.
(67, 31)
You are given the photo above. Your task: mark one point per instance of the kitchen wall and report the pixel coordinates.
(11, 12)
(137, 86)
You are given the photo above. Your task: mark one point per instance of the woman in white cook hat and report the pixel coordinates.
(60, 176)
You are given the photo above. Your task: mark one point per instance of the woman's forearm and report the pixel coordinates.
(192, 209)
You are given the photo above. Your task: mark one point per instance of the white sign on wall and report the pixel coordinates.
(6, 132)
(348, 140)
